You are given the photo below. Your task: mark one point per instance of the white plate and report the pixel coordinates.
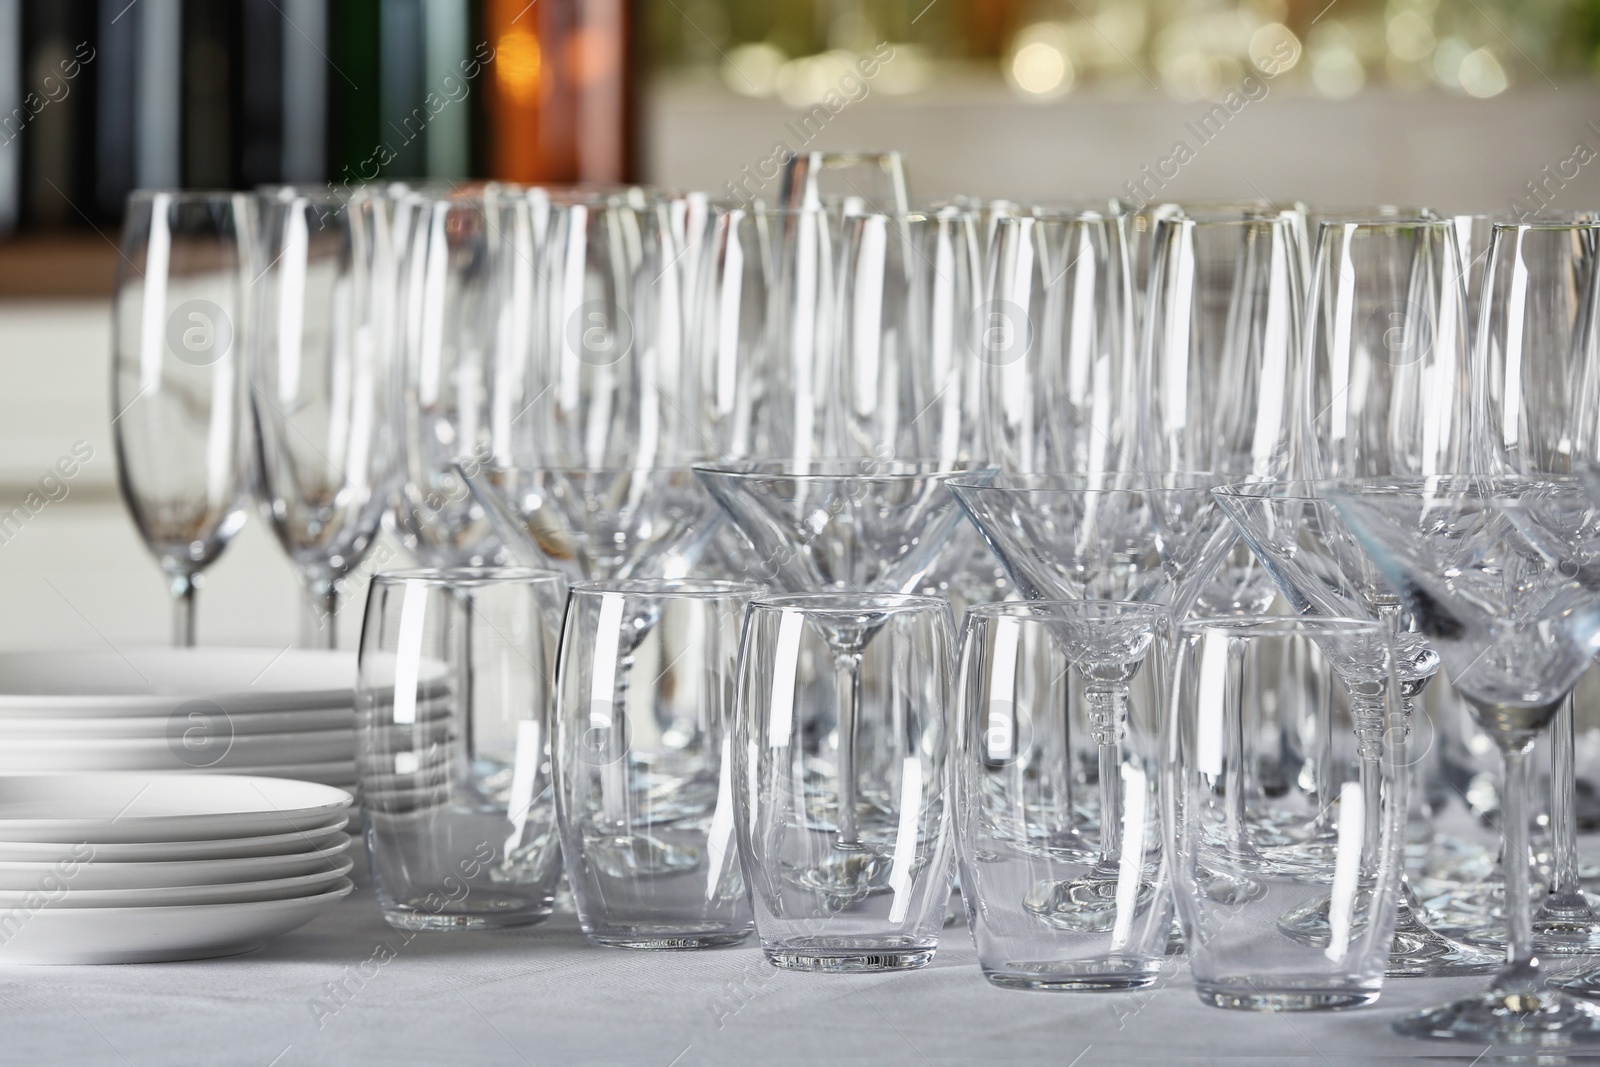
(295, 842)
(156, 935)
(71, 896)
(109, 807)
(213, 752)
(251, 723)
(340, 773)
(151, 681)
(93, 873)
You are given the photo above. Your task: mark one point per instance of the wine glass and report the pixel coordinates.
(1056, 345)
(1221, 344)
(468, 286)
(178, 380)
(320, 386)
(1538, 336)
(851, 182)
(1493, 571)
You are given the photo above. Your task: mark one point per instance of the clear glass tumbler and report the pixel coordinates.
(1272, 928)
(1054, 903)
(453, 700)
(840, 752)
(643, 758)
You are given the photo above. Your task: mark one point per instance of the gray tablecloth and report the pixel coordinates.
(350, 989)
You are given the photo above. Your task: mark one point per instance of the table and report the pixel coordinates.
(350, 989)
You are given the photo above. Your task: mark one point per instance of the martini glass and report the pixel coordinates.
(1107, 641)
(1154, 540)
(842, 525)
(1498, 574)
(1321, 571)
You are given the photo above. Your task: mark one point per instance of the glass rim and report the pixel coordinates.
(1270, 489)
(187, 196)
(786, 469)
(1443, 483)
(1377, 223)
(1272, 217)
(1050, 482)
(1281, 625)
(1590, 223)
(468, 464)
(848, 603)
(669, 588)
(450, 577)
(1061, 215)
(1002, 609)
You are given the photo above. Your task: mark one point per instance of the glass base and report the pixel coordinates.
(644, 939)
(1088, 977)
(849, 955)
(511, 915)
(1087, 904)
(1246, 995)
(1565, 925)
(1416, 951)
(1546, 1019)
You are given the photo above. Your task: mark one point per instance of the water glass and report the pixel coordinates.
(643, 761)
(839, 760)
(453, 700)
(1053, 903)
(1272, 928)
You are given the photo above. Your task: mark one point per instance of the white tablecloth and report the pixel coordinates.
(350, 989)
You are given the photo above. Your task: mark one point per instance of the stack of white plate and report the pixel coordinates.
(142, 868)
(270, 712)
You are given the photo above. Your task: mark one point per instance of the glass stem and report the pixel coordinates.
(1367, 711)
(184, 587)
(1108, 717)
(847, 691)
(1563, 808)
(1521, 973)
(318, 617)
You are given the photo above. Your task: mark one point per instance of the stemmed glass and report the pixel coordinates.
(467, 292)
(1493, 573)
(1322, 572)
(1539, 334)
(1056, 345)
(321, 386)
(1220, 347)
(841, 525)
(1107, 641)
(178, 380)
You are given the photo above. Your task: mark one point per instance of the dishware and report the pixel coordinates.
(1490, 569)
(643, 761)
(321, 385)
(179, 380)
(288, 888)
(1230, 896)
(111, 808)
(103, 873)
(1048, 907)
(157, 934)
(289, 843)
(459, 816)
(848, 859)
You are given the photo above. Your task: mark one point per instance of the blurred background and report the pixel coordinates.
(1487, 105)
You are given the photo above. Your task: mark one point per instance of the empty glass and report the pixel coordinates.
(453, 700)
(1238, 902)
(321, 386)
(178, 380)
(1048, 907)
(644, 761)
(848, 859)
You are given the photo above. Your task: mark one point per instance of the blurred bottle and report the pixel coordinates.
(561, 88)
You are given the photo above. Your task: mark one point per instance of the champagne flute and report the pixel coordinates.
(178, 380)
